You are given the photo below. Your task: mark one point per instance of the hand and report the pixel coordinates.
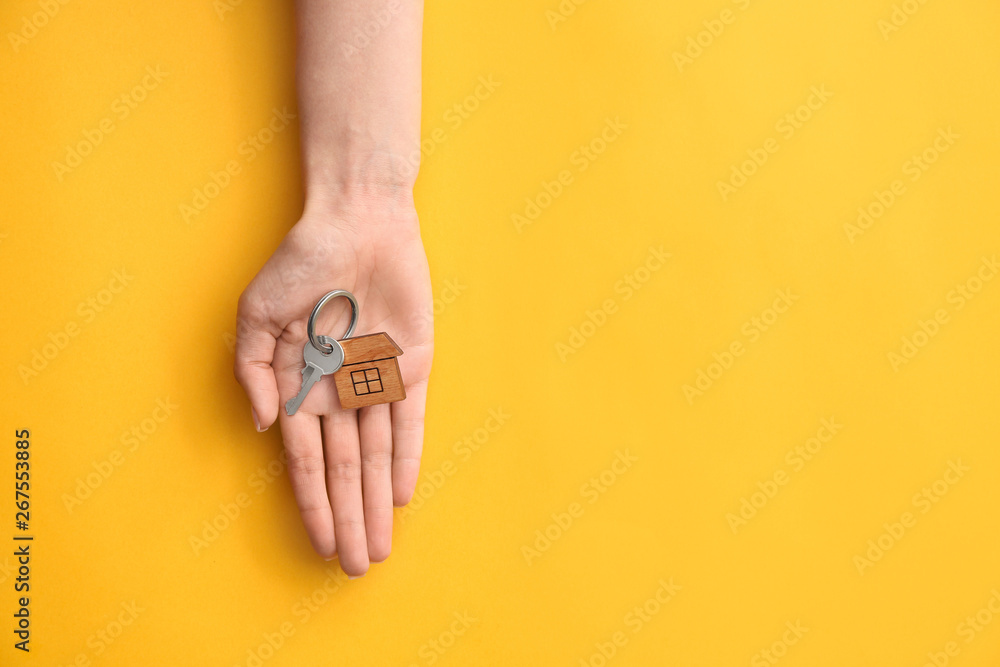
(348, 468)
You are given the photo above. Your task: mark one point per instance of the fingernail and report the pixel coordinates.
(356, 577)
(256, 420)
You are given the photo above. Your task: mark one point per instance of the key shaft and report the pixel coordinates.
(310, 376)
(318, 364)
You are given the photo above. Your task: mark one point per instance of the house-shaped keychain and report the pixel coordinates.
(370, 373)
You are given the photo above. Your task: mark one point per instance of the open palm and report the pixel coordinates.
(348, 468)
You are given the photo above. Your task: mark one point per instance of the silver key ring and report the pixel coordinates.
(327, 348)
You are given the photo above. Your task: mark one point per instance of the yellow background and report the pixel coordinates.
(167, 336)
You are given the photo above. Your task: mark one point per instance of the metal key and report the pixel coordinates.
(318, 364)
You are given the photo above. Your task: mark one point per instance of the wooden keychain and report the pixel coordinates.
(364, 369)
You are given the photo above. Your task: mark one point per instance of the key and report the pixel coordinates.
(317, 365)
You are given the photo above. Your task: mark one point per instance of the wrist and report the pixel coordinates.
(366, 210)
(364, 201)
(372, 178)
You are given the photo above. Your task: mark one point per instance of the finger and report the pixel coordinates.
(375, 429)
(407, 441)
(343, 478)
(252, 366)
(306, 468)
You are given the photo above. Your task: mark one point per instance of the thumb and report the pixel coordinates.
(254, 353)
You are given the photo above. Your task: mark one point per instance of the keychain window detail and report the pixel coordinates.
(366, 381)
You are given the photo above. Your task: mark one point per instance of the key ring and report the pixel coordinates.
(327, 348)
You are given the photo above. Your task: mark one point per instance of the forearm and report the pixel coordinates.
(359, 97)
